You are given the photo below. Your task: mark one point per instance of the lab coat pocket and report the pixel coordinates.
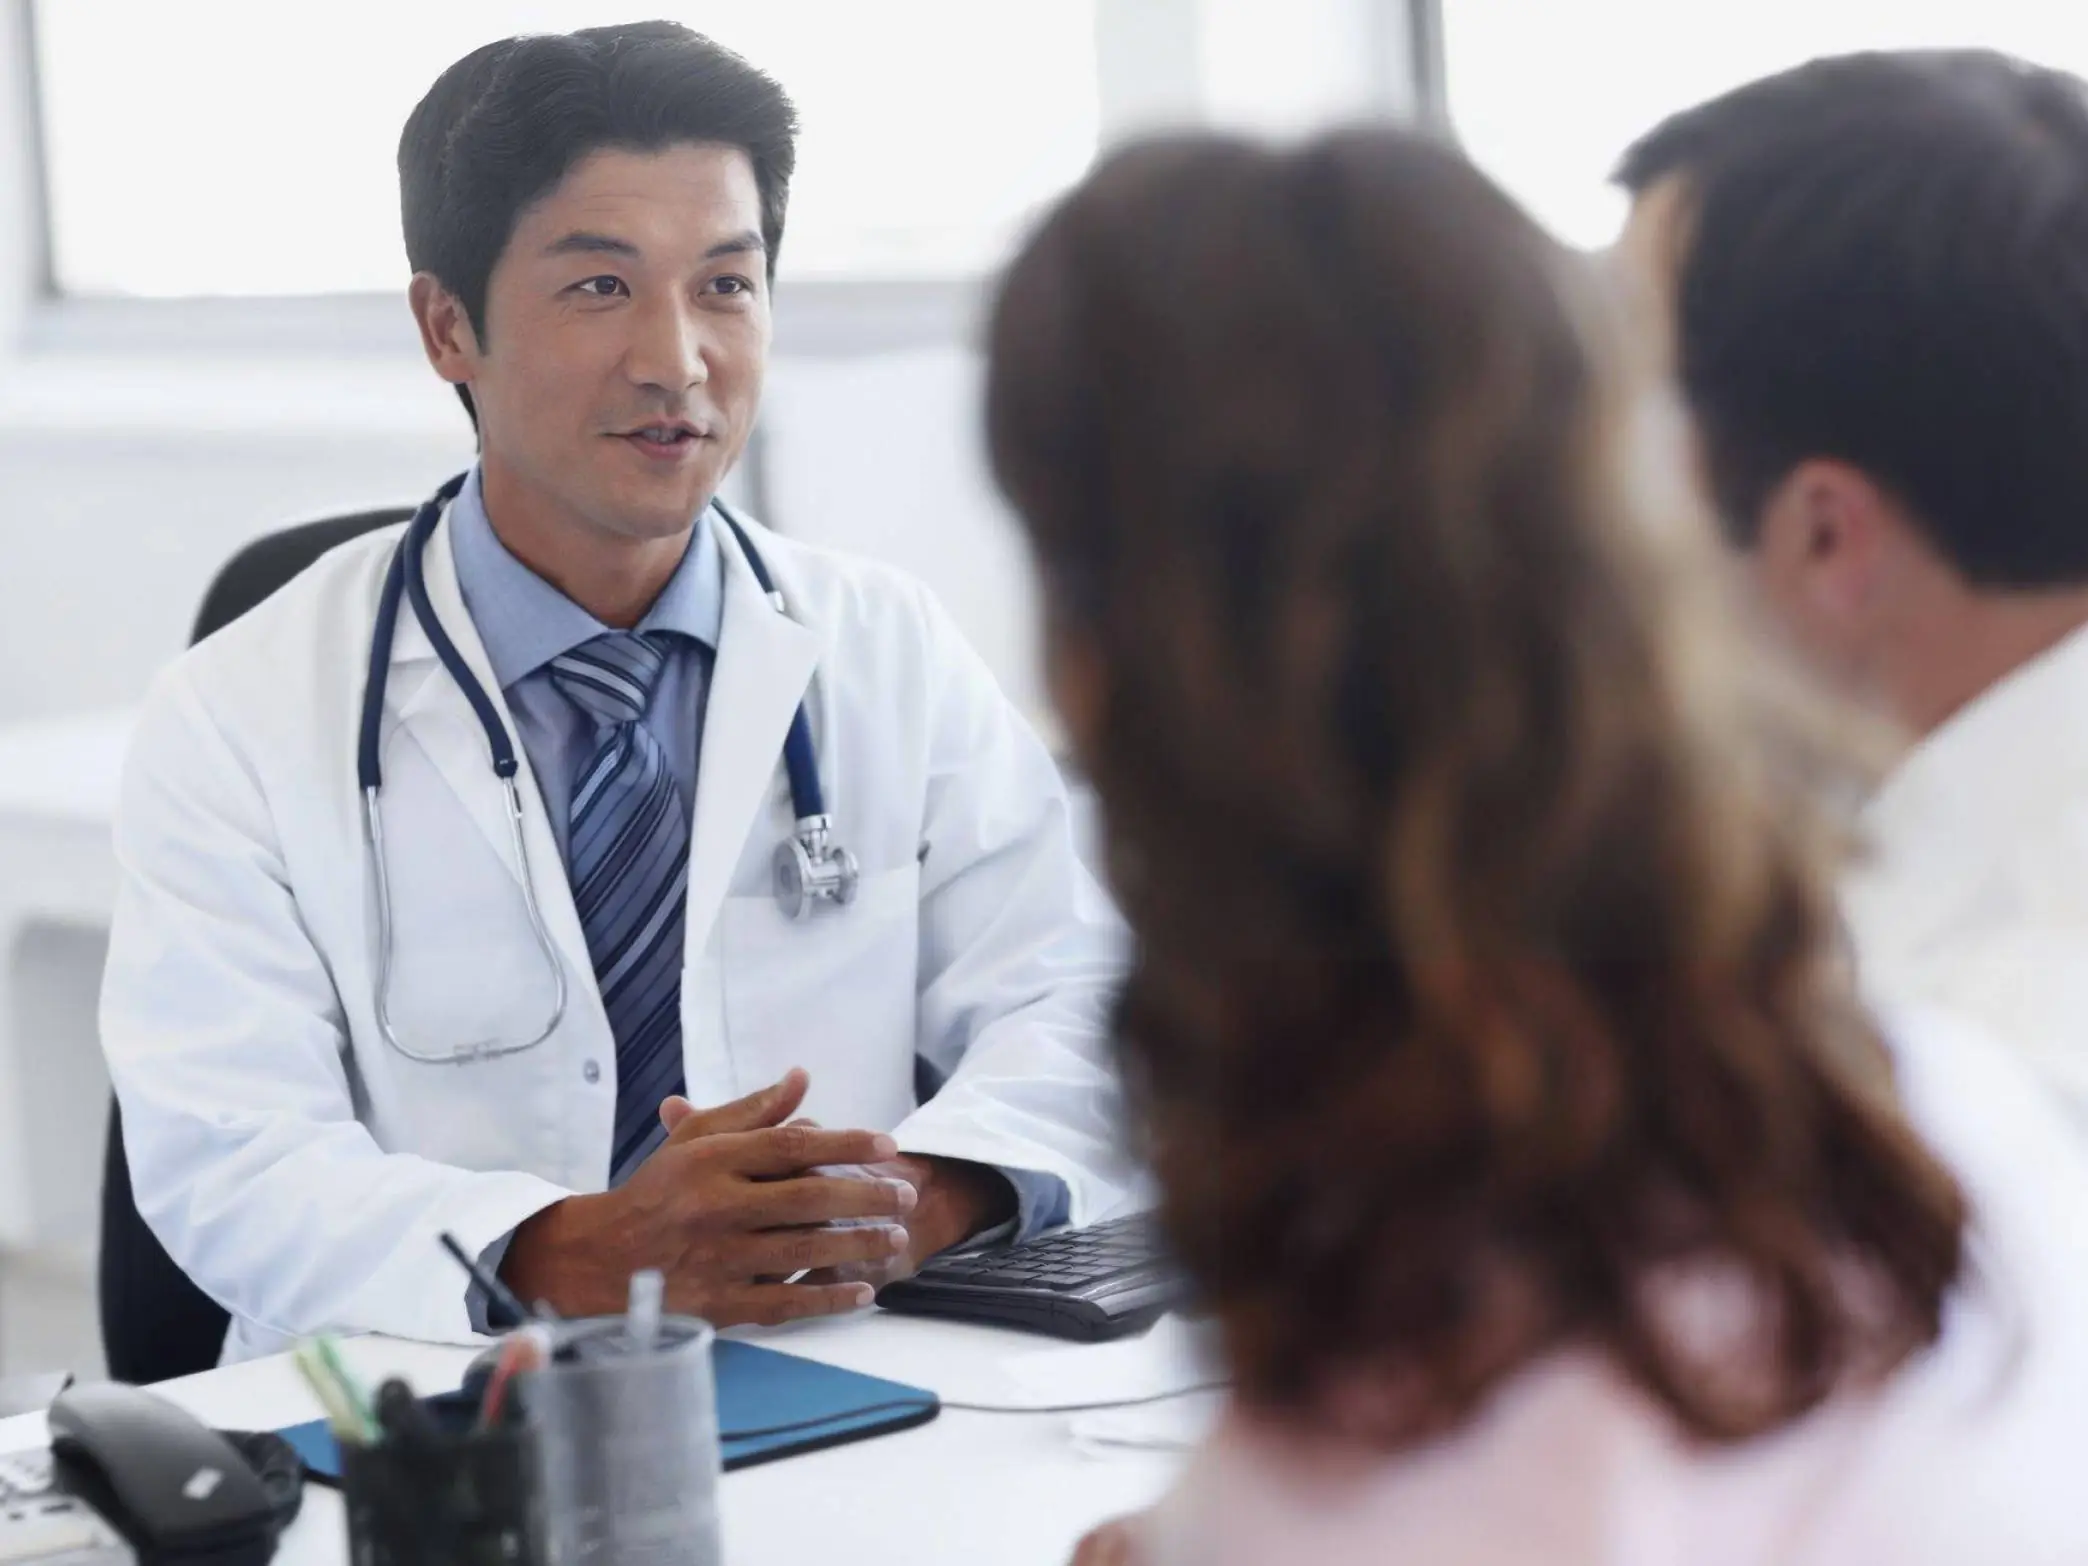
(834, 993)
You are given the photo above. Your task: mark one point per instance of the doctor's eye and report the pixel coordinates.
(607, 286)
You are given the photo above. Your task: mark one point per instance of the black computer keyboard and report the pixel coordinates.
(1103, 1281)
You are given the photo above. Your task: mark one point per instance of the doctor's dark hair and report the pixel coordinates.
(502, 126)
(1488, 996)
(1883, 258)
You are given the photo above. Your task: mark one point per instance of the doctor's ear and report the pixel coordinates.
(447, 336)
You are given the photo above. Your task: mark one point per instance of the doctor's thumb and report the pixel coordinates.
(673, 1111)
(769, 1106)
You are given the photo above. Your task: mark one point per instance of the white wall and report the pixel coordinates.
(108, 540)
(124, 487)
(885, 455)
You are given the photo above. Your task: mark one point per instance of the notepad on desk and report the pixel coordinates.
(770, 1405)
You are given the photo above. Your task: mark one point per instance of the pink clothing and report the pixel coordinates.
(1976, 1452)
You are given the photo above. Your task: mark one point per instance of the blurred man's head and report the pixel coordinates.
(1871, 279)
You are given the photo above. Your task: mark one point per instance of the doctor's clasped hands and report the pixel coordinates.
(727, 1207)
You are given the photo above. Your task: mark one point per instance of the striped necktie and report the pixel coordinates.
(628, 859)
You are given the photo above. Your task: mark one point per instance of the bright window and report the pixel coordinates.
(1547, 94)
(247, 146)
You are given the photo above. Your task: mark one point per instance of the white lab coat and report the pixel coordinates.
(299, 1168)
(1973, 895)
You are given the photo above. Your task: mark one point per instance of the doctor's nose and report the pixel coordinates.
(667, 352)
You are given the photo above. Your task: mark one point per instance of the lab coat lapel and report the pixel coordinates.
(765, 662)
(436, 713)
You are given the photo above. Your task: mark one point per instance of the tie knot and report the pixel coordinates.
(610, 678)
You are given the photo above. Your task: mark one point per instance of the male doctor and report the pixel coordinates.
(775, 1111)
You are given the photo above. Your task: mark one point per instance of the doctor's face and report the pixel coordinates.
(627, 332)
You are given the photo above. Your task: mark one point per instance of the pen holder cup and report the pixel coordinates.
(464, 1496)
(628, 1445)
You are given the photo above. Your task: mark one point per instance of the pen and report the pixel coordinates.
(328, 1351)
(348, 1421)
(402, 1417)
(528, 1349)
(339, 1417)
(506, 1297)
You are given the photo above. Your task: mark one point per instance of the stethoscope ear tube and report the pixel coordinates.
(807, 798)
(369, 769)
(497, 741)
(402, 574)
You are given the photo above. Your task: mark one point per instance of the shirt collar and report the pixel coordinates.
(525, 622)
(1969, 794)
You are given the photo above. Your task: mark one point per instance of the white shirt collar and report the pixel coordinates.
(1969, 798)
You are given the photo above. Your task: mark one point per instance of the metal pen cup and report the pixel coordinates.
(627, 1440)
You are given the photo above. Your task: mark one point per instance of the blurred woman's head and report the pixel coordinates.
(1487, 990)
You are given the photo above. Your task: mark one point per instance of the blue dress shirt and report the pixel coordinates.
(524, 623)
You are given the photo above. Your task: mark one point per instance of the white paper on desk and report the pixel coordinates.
(1172, 1355)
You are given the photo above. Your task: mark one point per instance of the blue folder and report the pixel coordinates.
(770, 1405)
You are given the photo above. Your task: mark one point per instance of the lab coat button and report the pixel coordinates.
(592, 1071)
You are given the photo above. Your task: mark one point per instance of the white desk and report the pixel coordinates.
(965, 1489)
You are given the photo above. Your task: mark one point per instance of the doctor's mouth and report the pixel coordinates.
(668, 442)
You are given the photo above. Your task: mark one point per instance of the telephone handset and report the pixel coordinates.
(173, 1487)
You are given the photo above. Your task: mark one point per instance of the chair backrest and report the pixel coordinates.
(155, 1322)
(271, 560)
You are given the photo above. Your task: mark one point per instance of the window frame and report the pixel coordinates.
(815, 316)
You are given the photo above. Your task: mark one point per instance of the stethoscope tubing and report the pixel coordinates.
(405, 582)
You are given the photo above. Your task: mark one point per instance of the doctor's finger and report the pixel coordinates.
(781, 1150)
(1112, 1544)
(772, 1304)
(769, 1106)
(791, 1251)
(790, 1203)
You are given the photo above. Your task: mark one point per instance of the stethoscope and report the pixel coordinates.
(810, 867)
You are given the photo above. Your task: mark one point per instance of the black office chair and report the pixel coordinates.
(155, 1323)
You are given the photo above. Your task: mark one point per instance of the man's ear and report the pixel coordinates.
(446, 333)
(1825, 542)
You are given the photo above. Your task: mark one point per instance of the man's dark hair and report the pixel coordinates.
(502, 126)
(1885, 262)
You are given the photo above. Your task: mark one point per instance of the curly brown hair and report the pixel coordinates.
(1488, 990)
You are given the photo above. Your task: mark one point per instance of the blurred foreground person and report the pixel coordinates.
(1557, 1199)
(1870, 275)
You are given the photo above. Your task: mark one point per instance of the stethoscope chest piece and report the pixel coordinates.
(811, 868)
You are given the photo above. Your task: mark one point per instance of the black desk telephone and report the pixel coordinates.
(177, 1491)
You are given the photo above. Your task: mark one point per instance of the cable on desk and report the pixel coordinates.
(1088, 1408)
(915, 1405)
